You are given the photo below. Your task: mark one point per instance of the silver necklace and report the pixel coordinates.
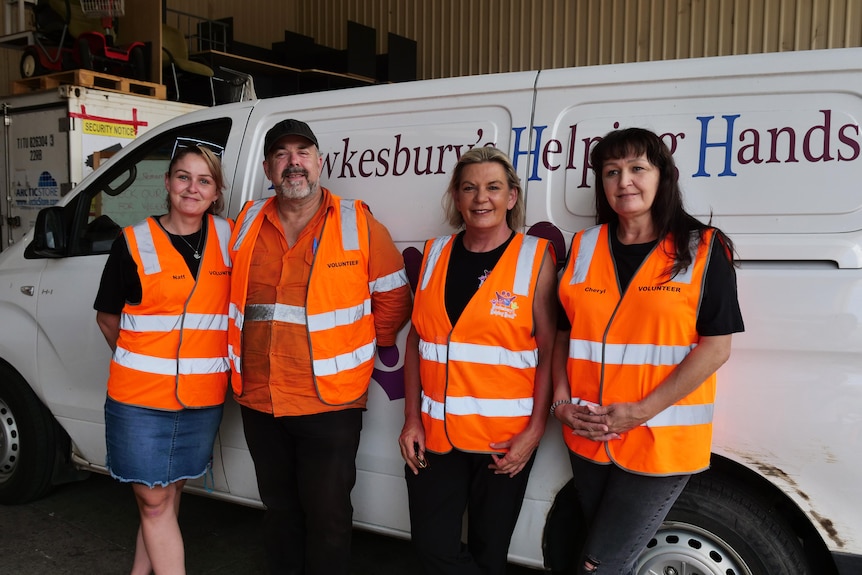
(196, 249)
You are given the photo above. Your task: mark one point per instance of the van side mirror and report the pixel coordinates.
(50, 237)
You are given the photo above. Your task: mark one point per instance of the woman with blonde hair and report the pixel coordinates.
(477, 370)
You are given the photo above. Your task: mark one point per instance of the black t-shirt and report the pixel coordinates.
(120, 283)
(719, 308)
(466, 272)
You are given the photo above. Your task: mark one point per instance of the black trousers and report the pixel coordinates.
(623, 512)
(439, 495)
(306, 468)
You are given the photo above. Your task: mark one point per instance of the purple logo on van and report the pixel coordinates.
(392, 382)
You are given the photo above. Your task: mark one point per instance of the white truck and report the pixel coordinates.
(49, 139)
(768, 145)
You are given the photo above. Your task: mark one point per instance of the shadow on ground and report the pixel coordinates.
(89, 527)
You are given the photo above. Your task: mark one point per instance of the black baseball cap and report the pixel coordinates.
(288, 128)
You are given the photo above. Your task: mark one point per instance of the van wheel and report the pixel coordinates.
(716, 529)
(28, 441)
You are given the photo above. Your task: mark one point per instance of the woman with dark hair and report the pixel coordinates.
(650, 306)
(162, 307)
(477, 371)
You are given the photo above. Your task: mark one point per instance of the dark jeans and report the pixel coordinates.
(622, 510)
(306, 468)
(438, 497)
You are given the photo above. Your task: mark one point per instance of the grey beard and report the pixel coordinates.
(295, 192)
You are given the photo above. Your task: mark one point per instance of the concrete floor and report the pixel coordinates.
(89, 527)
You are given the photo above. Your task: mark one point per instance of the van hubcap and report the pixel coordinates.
(9, 442)
(682, 549)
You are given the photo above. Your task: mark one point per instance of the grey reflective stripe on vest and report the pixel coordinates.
(482, 354)
(349, 231)
(235, 359)
(436, 352)
(389, 282)
(345, 361)
(250, 217)
(433, 256)
(467, 405)
(628, 353)
(684, 276)
(318, 322)
(698, 414)
(587, 250)
(683, 415)
(146, 247)
(296, 315)
(154, 323)
(339, 317)
(172, 367)
(433, 408)
(493, 355)
(236, 315)
(584, 257)
(166, 323)
(524, 268)
(222, 229)
(275, 312)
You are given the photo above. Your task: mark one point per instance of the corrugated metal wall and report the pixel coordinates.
(256, 22)
(462, 37)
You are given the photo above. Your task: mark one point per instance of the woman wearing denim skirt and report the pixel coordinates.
(162, 307)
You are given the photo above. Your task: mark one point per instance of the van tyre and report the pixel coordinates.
(28, 441)
(715, 529)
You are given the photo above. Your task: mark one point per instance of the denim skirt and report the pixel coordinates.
(157, 447)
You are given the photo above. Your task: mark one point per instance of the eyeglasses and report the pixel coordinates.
(194, 142)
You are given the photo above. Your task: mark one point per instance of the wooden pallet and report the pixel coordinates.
(90, 79)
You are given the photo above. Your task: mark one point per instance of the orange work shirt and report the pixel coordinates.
(281, 272)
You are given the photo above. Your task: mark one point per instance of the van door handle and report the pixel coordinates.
(28, 290)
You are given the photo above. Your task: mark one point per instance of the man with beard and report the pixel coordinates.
(317, 284)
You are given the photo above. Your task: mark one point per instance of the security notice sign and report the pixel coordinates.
(50, 138)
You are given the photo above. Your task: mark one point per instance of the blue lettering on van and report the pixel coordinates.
(718, 156)
(727, 144)
(517, 152)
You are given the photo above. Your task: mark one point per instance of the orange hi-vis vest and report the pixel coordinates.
(172, 349)
(623, 346)
(337, 313)
(478, 375)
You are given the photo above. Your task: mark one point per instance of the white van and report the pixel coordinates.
(767, 145)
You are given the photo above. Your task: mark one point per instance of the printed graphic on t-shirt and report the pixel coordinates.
(504, 304)
(483, 277)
